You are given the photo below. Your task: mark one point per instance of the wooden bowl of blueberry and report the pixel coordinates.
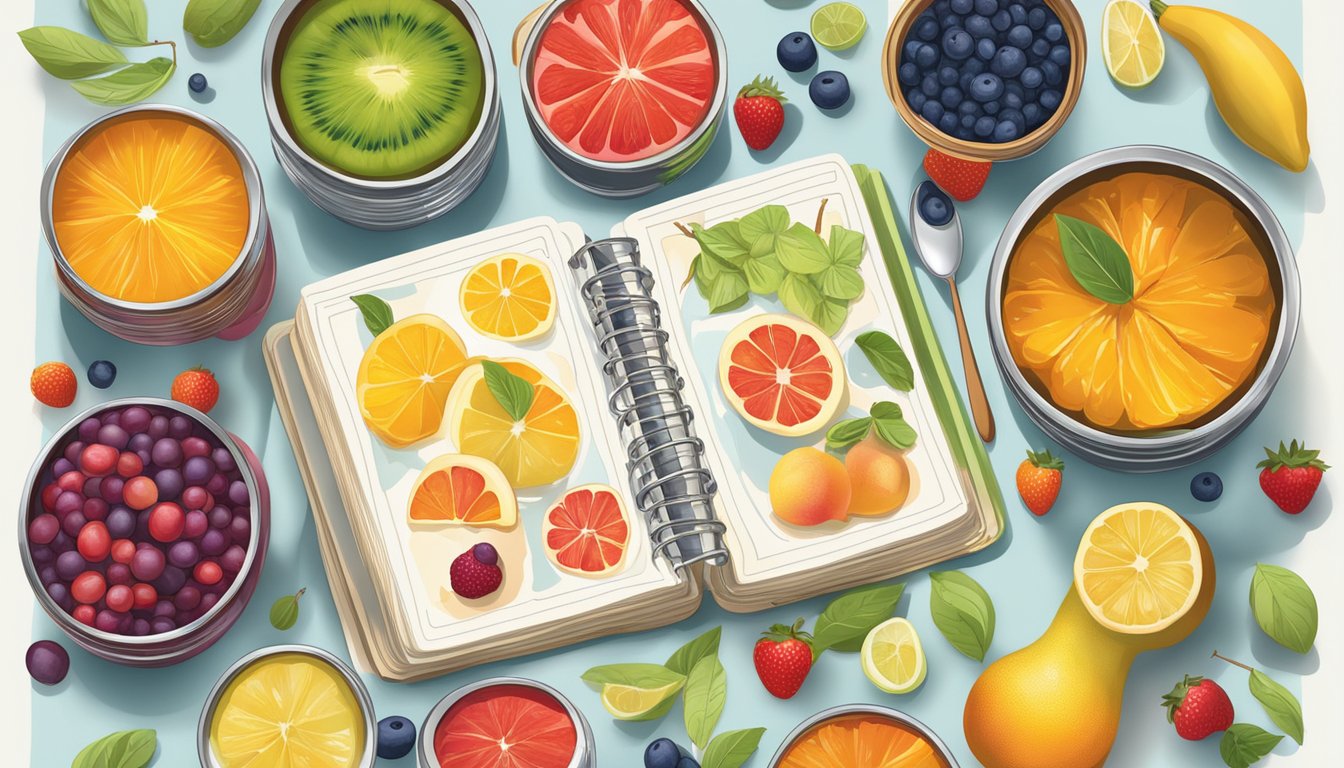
(985, 80)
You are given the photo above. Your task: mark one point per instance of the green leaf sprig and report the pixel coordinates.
(86, 61)
(886, 356)
(123, 749)
(212, 23)
(963, 611)
(1284, 607)
(514, 393)
(847, 620)
(376, 312)
(765, 253)
(1278, 702)
(885, 419)
(732, 749)
(1244, 745)
(1096, 260)
(285, 611)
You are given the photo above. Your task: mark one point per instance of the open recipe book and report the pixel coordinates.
(654, 469)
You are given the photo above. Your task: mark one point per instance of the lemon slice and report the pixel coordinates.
(1138, 568)
(893, 658)
(1131, 43)
(509, 297)
(405, 376)
(838, 26)
(627, 702)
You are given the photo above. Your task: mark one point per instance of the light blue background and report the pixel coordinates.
(1026, 572)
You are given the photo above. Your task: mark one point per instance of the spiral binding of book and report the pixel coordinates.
(673, 488)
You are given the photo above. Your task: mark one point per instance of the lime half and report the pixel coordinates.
(627, 702)
(838, 26)
(893, 658)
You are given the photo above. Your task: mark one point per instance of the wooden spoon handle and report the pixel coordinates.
(975, 386)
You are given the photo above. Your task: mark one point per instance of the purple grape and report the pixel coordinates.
(47, 574)
(93, 487)
(217, 485)
(240, 529)
(47, 662)
(42, 554)
(140, 442)
(111, 417)
(179, 427)
(61, 466)
(42, 529)
(183, 554)
(72, 452)
(170, 581)
(144, 457)
(119, 573)
(195, 446)
(69, 502)
(148, 564)
(214, 542)
(169, 482)
(120, 522)
(208, 601)
(140, 628)
(72, 523)
(58, 591)
(238, 492)
(113, 435)
(166, 452)
(107, 621)
(164, 607)
(220, 517)
(70, 564)
(198, 470)
(196, 524)
(135, 419)
(223, 459)
(233, 558)
(196, 497)
(187, 598)
(158, 427)
(111, 489)
(62, 543)
(94, 509)
(88, 429)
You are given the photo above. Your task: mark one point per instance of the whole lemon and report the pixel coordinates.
(809, 487)
(879, 475)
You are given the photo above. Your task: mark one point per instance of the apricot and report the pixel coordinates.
(879, 476)
(809, 487)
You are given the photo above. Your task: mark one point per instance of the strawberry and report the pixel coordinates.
(1198, 707)
(54, 384)
(1290, 476)
(962, 179)
(1039, 477)
(759, 111)
(476, 572)
(197, 388)
(783, 657)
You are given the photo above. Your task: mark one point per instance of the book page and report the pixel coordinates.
(410, 564)
(743, 456)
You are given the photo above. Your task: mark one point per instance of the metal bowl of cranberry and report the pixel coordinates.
(143, 531)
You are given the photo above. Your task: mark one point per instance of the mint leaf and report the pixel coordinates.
(799, 296)
(731, 749)
(844, 624)
(846, 246)
(703, 699)
(377, 313)
(723, 240)
(686, 657)
(212, 23)
(891, 426)
(764, 273)
(1284, 607)
(963, 612)
(1097, 262)
(830, 315)
(123, 749)
(802, 251)
(1244, 745)
(1279, 703)
(840, 282)
(845, 434)
(644, 676)
(70, 55)
(726, 292)
(760, 228)
(124, 22)
(285, 611)
(513, 393)
(128, 85)
(888, 359)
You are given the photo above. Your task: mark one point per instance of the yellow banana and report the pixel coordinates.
(1254, 85)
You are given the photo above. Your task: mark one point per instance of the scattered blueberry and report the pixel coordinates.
(830, 89)
(796, 52)
(663, 753)
(396, 737)
(197, 83)
(1207, 486)
(102, 373)
(47, 662)
(933, 205)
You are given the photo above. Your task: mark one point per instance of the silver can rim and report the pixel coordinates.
(528, 59)
(1169, 448)
(250, 254)
(206, 755)
(65, 621)
(280, 134)
(863, 709)
(425, 739)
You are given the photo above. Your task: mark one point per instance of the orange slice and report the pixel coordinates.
(150, 209)
(587, 532)
(405, 376)
(509, 297)
(462, 490)
(782, 374)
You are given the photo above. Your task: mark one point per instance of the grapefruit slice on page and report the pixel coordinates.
(782, 374)
(457, 489)
(623, 80)
(506, 726)
(587, 532)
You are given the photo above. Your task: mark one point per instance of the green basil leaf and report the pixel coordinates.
(377, 313)
(799, 296)
(726, 292)
(760, 228)
(723, 240)
(848, 619)
(514, 393)
(896, 432)
(764, 273)
(285, 611)
(963, 612)
(1244, 744)
(703, 698)
(637, 675)
(885, 409)
(123, 749)
(731, 749)
(888, 359)
(846, 433)
(846, 246)
(1279, 703)
(69, 55)
(839, 281)
(684, 659)
(1284, 607)
(124, 22)
(129, 85)
(802, 251)
(212, 23)
(1097, 262)
(830, 315)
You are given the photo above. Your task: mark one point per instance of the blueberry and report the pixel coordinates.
(1052, 73)
(985, 49)
(1008, 62)
(984, 127)
(948, 122)
(1019, 37)
(396, 737)
(969, 107)
(910, 50)
(1036, 18)
(929, 85)
(986, 87)
(965, 81)
(1041, 48)
(1012, 101)
(1018, 12)
(1005, 130)
(662, 753)
(951, 97)
(916, 99)
(948, 76)
(941, 6)
(974, 66)
(1034, 115)
(986, 7)
(927, 27)
(926, 56)
(1001, 21)
(1031, 77)
(933, 205)
(932, 111)
(909, 73)
(979, 26)
(1015, 117)
(1207, 486)
(197, 83)
(829, 89)
(967, 121)
(1050, 100)
(1054, 31)
(688, 762)
(102, 373)
(1060, 55)
(957, 43)
(796, 52)
(949, 21)
(991, 107)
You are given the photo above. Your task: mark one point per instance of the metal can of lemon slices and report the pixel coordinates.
(384, 120)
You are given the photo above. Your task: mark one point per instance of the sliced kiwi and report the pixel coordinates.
(381, 89)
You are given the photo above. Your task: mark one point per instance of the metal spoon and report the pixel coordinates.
(936, 231)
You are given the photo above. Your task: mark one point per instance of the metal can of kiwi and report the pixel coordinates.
(631, 127)
(384, 120)
(156, 220)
